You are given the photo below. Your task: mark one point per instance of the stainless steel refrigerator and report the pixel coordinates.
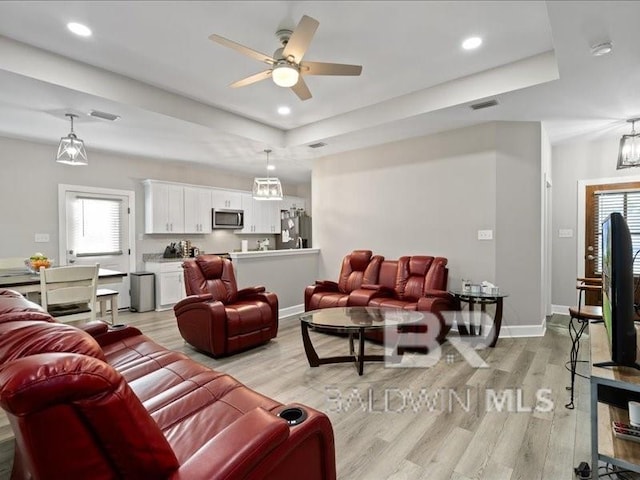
(295, 230)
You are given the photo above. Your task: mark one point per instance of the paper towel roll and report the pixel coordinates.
(245, 245)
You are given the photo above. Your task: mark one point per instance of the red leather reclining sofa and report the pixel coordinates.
(102, 403)
(416, 282)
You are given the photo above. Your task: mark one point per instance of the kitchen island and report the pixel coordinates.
(284, 272)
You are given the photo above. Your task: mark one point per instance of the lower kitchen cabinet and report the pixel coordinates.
(169, 283)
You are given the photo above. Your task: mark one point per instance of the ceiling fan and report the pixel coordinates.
(286, 65)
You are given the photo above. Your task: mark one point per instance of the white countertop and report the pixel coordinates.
(274, 253)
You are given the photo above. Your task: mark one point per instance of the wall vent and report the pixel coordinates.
(104, 115)
(481, 105)
(317, 145)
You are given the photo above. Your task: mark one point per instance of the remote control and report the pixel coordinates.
(626, 426)
(626, 434)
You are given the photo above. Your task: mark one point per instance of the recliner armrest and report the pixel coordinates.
(94, 328)
(204, 297)
(245, 292)
(237, 449)
(328, 284)
(438, 293)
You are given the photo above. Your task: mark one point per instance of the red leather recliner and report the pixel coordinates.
(411, 283)
(358, 268)
(216, 317)
(110, 403)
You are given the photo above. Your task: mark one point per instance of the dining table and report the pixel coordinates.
(25, 282)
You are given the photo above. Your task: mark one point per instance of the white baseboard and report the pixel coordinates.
(519, 331)
(289, 311)
(560, 309)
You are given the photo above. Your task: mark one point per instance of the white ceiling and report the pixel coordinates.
(152, 64)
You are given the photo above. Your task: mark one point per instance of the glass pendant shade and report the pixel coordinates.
(629, 154)
(71, 149)
(267, 188)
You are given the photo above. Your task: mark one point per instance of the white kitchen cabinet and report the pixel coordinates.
(164, 207)
(226, 199)
(260, 216)
(197, 210)
(169, 277)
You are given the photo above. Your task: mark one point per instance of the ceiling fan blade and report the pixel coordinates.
(301, 38)
(252, 79)
(320, 68)
(301, 90)
(249, 52)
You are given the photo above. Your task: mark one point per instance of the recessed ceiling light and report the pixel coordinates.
(471, 43)
(79, 29)
(284, 110)
(271, 167)
(601, 49)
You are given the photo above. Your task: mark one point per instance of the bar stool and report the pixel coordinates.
(104, 295)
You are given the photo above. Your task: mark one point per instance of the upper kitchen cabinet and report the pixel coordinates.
(226, 199)
(260, 216)
(197, 209)
(164, 207)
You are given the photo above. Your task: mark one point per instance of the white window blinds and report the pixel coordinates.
(96, 226)
(628, 204)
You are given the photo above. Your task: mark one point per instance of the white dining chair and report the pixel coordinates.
(70, 292)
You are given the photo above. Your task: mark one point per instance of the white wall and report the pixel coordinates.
(430, 195)
(573, 162)
(29, 195)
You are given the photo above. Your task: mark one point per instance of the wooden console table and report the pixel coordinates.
(604, 445)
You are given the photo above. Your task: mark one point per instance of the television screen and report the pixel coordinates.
(617, 289)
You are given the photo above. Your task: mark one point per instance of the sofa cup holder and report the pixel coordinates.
(293, 415)
(118, 326)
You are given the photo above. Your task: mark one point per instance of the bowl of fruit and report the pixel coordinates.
(36, 261)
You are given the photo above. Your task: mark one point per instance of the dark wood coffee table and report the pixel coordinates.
(354, 321)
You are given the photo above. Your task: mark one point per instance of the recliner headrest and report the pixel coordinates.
(211, 266)
(360, 259)
(419, 265)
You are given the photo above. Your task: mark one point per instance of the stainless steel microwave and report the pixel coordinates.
(227, 219)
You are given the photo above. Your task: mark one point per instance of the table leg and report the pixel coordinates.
(351, 348)
(497, 322)
(472, 328)
(312, 355)
(361, 352)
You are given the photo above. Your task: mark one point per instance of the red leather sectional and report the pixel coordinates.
(102, 403)
(412, 283)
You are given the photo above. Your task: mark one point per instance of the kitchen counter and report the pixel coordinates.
(284, 272)
(274, 253)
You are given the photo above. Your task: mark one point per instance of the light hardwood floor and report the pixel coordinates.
(385, 430)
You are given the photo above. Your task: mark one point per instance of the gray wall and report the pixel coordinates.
(29, 195)
(572, 162)
(430, 195)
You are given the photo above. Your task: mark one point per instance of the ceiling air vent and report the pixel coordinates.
(317, 145)
(481, 105)
(104, 115)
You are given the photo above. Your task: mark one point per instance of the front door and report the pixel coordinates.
(601, 201)
(97, 230)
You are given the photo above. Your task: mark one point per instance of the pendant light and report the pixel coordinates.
(629, 155)
(267, 188)
(71, 149)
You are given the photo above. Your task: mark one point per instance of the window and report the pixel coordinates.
(95, 226)
(627, 202)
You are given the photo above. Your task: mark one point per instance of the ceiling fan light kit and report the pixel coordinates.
(629, 154)
(71, 149)
(285, 75)
(287, 67)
